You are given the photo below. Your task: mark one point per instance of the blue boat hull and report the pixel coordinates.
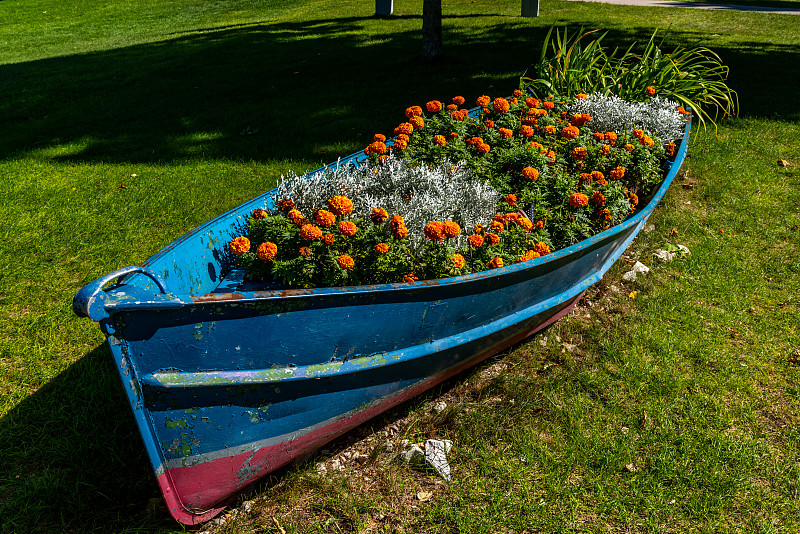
(228, 383)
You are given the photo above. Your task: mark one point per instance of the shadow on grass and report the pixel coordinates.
(309, 90)
(72, 459)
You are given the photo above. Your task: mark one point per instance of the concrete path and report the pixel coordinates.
(696, 5)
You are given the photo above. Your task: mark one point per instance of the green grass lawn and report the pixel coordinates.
(125, 124)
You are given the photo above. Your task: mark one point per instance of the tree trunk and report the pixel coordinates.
(432, 30)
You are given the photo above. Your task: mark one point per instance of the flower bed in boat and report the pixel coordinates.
(457, 191)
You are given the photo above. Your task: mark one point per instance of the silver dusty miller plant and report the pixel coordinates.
(658, 117)
(418, 193)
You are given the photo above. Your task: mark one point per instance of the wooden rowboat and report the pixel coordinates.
(229, 381)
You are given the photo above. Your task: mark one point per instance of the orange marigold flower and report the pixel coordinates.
(399, 144)
(638, 133)
(580, 96)
(570, 132)
(433, 106)
(536, 145)
(410, 277)
(267, 250)
(325, 218)
(530, 173)
(304, 251)
(459, 114)
(377, 147)
(458, 261)
(525, 223)
(548, 105)
(505, 132)
(382, 248)
(453, 135)
(404, 128)
(475, 240)
(539, 112)
(629, 147)
(550, 129)
(617, 173)
(434, 231)
(294, 216)
(586, 117)
(259, 214)
(477, 229)
(599, 136)
(285, 205)
(496, 262)
(483, 100)
(397, 227)
(340, 205)
(488, 124)
(633, 199)
(484, 148)
(647, 140)
(611, 136)
(348, 228)
(670, 148)
(532, 102)
(497, 226)
(417, 122)
(458, 100)
(403, 137)
(599, 198)
(526, 131)
(475, 141)
(413, 111)
(310, 232)
(597, 175)
(239, 245)
(379, 137)
(579, 153)
(605, 149)
(650, 91)
(451, 107)
(345, 262)
(682, 111)
(378, 215)
(539, 224)
(451, 229)
(328, 239)
(531, 254)
(541, 248)
(439, 140)
(605, 214)
(511, 199)
(585, 177)
(578, 200)
(501, 105)
(492, 239)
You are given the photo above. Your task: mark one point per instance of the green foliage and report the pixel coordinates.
(694, 77)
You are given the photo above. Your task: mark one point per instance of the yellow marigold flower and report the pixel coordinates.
(417, 122)
(294, 216)
(259, 214)
(617, 173)
(340, 205)
(475, 240)
(404, 128)
(328, 239)
(285, 205)
(325, 218)
(529, 255)
(305, 252)
(650, 91)
(239, 245)
(541, 248)
(496, 262)
(434, 231)
(382, 248)
(579, 153)
(511, 199)
(599, 198)
(378, 215)
(410, 277)
(451, 229)
(458, 100)
(501, 105)
(530, 173)
(570, 132)
(439, 140)
(492, 239)
(483, 100)
(458, 261)
(484, 148)
(413, 111)
(310, 232)
(347, 228)
(345, 262)
(578, 200)
(550, 129)
(433, 106)
(267, 250)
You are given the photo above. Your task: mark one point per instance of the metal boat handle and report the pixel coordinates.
(90, 300)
